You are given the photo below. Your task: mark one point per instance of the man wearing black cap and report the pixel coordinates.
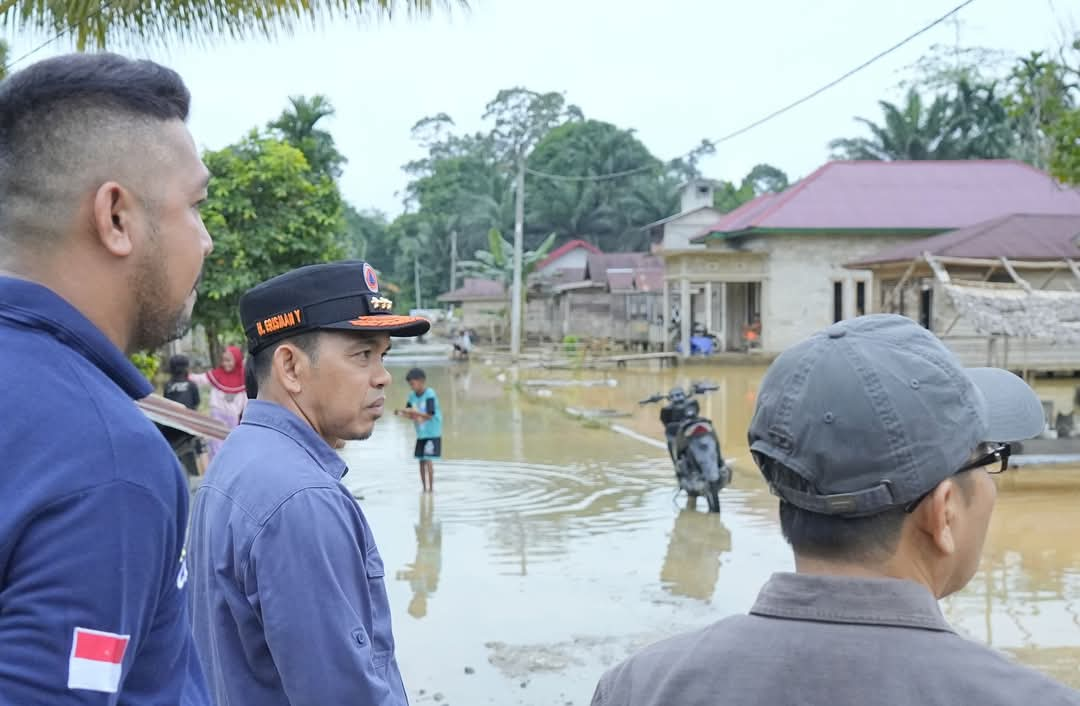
(876, 442)
(288, 601)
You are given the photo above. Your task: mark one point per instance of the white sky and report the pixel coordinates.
(676, 72)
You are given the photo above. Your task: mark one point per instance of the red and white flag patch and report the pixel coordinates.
(97, 660)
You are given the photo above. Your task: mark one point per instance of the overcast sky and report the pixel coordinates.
(675, 71)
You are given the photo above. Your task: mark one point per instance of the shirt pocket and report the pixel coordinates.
(382, 641)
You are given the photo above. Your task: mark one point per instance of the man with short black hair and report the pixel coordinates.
(880, 447)
(288, 597)
(101, 246)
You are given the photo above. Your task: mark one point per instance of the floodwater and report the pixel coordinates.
(551, 549)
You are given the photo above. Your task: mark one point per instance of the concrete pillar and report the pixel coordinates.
(709, 325)
(685, 314)
(723, 317)
(666, 316)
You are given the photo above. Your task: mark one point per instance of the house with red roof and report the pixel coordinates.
(777, 264)
(612, 296)
(482, 305)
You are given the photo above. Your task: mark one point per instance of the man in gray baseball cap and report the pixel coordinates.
(879, 446)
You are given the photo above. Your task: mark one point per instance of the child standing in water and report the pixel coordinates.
(424, 410)
(228, 396)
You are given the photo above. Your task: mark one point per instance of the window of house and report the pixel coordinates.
(860, 298)
(838, 301)
(926, 308)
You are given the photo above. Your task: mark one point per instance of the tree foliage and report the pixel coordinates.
(98, 25)
(297, 126)
(497, 261)
(975, 110)
(267, 214)
(608, 212)
(763, 178)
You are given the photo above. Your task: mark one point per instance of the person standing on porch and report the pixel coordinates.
(228, 393)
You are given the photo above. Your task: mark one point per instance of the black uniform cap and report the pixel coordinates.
(342, 296)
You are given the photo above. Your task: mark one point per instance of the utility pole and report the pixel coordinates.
(519, 237)
(416, 281)
(453, 260)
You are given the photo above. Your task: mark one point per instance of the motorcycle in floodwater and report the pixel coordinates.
(692, 444)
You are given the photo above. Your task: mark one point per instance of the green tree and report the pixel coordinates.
(1065, 148)
(521, 118)
(497, 262)
(607, 212)
(267, 215)
(4, 52)
(366, 235)
(763, 178)
(297, 126)
(910, 131)
(1043, 91)
(97, 25)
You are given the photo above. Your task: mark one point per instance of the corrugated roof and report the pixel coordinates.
(1021, 236)
(565, 248)
(475, 289)
(918, 195)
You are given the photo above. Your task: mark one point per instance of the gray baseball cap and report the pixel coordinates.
(875, 411)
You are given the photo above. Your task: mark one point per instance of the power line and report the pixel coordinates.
(761, 121)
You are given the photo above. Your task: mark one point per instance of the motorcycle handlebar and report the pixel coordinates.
(654, 398)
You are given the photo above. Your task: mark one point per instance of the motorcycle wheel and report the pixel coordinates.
(713, 497)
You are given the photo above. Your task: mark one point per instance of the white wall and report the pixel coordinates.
(678, 232)
(798, 296)
(574, 259)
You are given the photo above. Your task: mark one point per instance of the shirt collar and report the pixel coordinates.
(34, 306)
(844, 599)
(273, 416)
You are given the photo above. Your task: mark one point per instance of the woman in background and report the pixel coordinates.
(228, 395)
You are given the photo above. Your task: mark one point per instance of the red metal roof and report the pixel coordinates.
(917, 195)
(565, 248)
(475, 289)
(1022, 236)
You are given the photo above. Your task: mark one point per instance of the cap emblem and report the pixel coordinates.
(381, 304)
(370, 279)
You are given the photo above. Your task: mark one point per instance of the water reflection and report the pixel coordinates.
(534, 507)
(692, 563)
(423, 573)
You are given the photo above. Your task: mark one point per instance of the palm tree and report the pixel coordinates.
(297, 127)
(3, 58)
(99, 24)
(909, 132)
(497, 262)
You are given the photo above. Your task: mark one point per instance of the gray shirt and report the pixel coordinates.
(288, 601)
(829, 641)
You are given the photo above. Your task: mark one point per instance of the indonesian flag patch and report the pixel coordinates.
(97, 660)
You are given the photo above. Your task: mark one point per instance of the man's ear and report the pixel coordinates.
(115, 210)
(937, 514)
(290, 364)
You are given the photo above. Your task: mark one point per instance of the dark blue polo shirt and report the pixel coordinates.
(288, 597)
(93, 509)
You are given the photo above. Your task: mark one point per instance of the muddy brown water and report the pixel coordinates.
(551, 550)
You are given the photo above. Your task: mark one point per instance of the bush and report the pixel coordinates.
(147, 363)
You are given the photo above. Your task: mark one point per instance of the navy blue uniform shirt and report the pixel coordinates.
(93, 509)
(288, 597)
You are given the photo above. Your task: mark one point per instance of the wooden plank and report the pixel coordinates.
(937, 267)
(1015, 275)
(176, 416)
